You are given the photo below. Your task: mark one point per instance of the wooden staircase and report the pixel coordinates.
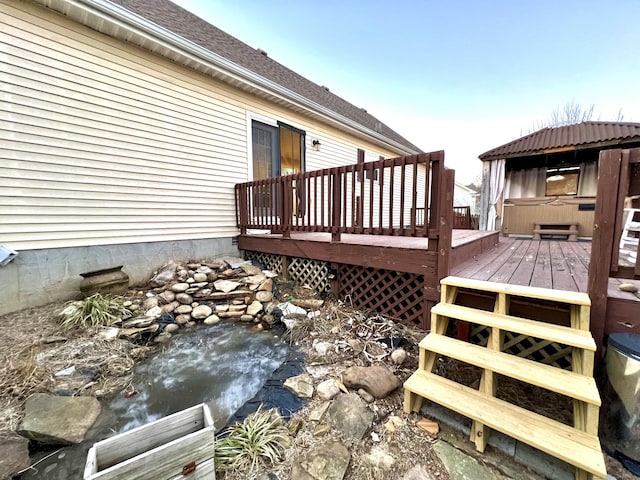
(577, 445)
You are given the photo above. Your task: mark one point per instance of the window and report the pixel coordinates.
(277, 150)
(562, 181)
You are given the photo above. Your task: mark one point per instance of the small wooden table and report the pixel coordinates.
(570, 229)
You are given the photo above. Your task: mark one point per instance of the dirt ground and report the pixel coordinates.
(35, 349)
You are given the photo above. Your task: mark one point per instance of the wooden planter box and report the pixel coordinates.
(168, 448)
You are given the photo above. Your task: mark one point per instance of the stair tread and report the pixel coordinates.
(571, 384)
(546, 331)
(562, 441)
(571, 298)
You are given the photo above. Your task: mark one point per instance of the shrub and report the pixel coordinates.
(263, 436)
(93, 311)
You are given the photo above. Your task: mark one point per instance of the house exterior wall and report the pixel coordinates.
(105, 144)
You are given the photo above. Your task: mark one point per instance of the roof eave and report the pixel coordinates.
(133, 28)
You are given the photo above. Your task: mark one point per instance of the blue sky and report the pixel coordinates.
(463, 76)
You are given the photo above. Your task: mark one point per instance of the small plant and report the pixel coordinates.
(263, 436)
(93, 311)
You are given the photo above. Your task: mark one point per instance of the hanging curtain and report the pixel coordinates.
(528, 183)
(496, 185)
(588, 182)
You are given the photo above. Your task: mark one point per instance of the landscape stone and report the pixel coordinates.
(256, 279)
(201, 312)
(54, 420)
(246, 318)
(179, 287)
(163, 337)
(225, 286)
(270, 274)
(168, 296)
(164, 276)
(183, 319)
(377, 380)
(139, 322)
(150, 303)
(349, 414)
(366, 396)
(184, 298)
(266, 286)
(234, 262)
(200, 277)
(418, 472)
(264, 296)
(172, 327)
(399, 356)
(222, 308)
(460, 465)
(155, 312)
(300, 385)
(326, 462)
(211, 320)
(136, 332)
(254, 308)
(327, 390)
(14, 456)
(317, 413)
(182, 309)
(250, 269)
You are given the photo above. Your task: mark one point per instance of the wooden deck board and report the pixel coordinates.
(560, 265)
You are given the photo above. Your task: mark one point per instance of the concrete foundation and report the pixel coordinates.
(39, 277)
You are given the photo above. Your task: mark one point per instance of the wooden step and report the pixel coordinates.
(572, 298)
(573, 385)
(556, 333)
(566, 443)
(554, 231)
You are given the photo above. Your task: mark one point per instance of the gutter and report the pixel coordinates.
(155, 33)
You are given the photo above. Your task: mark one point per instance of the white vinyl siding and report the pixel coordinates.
(104, 143)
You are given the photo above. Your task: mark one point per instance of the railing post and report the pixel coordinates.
(287, 205)
(242, 207)
(336, 205)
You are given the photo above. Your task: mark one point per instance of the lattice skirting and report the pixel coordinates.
(267, 260)
(394, 294)
(543, 351)
(314, 273)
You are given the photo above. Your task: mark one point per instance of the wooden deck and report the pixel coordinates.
(560, 265)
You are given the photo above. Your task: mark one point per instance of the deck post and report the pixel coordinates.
(287, 205)
(603, 237)
(336, 205)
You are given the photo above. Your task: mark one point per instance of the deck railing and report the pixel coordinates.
(462, 217)
(374, 198)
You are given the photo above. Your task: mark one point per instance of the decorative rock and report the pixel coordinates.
(225, 286)
(418, 472)
(201, 312)
(191, 324)
(309, 303)
(163, 337)
(326, 462)
(184, 298)
(238, 308)
(290, 310)
(628, 287)
(264, 296)
(164, 276)
(211, 320)
(14, 455)
(182, 309)
(268, 319)
(171, 328)
(250, 269)
(139, 322)
(429, 426)
(204, 269)
(197, 285)
(127, 303)
(168, 296)
(317, 413)
(179, 287)
(246, 318)
(190, 280)
(399, 356)
(136, 332)
(222, 308)
(254, 308)
(300, 385)
(169, 307)
(270, 274)
(57, 420)
(323, 348)
(155, 312)
(327, 390)
(351, 416)
(200, 277)
(234, 262)
(183, 319)
(266, 286)
(377, 380)
(150, 303)
(256, 279)
(108, 334)
(366, 396)
(212, 277)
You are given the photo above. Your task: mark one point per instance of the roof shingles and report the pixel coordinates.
(191, 27)
(585, 133)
